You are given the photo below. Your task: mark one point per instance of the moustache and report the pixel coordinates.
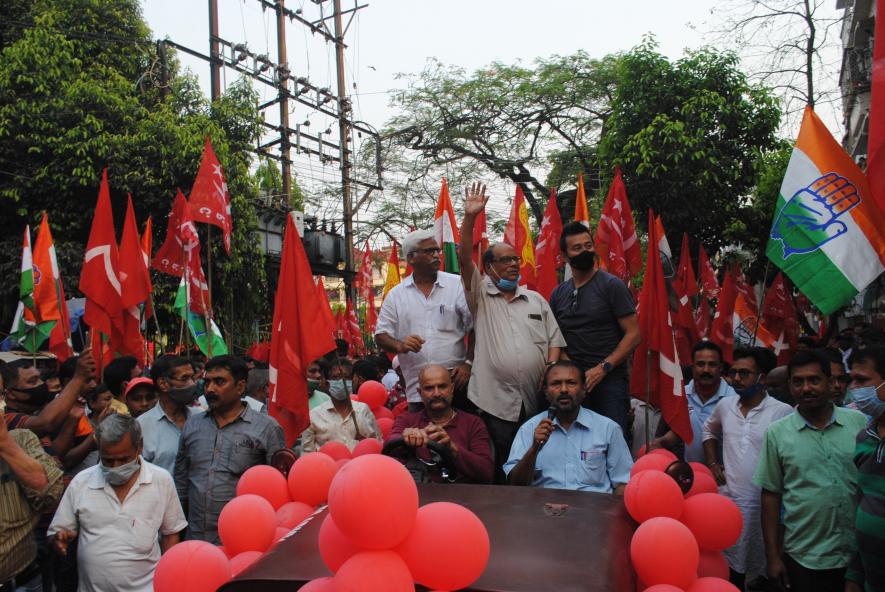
(706, 375)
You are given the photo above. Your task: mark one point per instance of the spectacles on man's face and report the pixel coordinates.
(429, 251)
(742, 372)
(508, 260)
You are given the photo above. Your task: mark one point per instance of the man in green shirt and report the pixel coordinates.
(807, 466)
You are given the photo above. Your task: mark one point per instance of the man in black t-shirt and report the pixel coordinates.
(596, 315)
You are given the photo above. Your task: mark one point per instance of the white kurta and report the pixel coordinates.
(741, 440)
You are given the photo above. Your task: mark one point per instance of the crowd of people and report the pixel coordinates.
(98, 478)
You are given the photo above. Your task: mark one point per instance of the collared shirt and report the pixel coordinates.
(512, 340)
(868, 563)
(699, 411)
(20, 506)
(442, 319)
(327, 425)
(474, 461)
(211, 459)
(741, 439)
(256, 405)
(813, 471)
(118, 543)
(160, 436)
(591, 456)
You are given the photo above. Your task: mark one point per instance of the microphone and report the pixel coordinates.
(551, 413)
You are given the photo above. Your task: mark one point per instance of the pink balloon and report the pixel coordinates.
(703, 483)
(223, 550)
(712, 564)
(319, 585)
(653, 462)
(242, 561)
(292, 514)
(665, 453)
(664, 551)
(383, 412)
(374, 571)
(712, 585)
(247, 523)
(386, 424)
(448, 547)
(374, 500)
(336, 450)
(373, 394)
(279, 533)
(715, 520)
(367, 446)
(700, 468)
(195, 566)
(341, 462)
(335, 547)
(310, 477)
(650, 494)
(264, 481)
(663, 588)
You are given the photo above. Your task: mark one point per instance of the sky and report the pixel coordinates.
(392, 37)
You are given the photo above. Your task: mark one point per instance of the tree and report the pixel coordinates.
(83, 87)
(687, 135)
(270, 184)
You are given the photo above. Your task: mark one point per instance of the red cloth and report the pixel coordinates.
(518, 235)
(49, 293)
(365, 290)
(547, 252)
(657, 349)
(324, 304)
(722, 331)
(300, 334)
(147, 242)
(353, 334)
(709, 284)
(686, 287)
(209, 198)
(180, 233)
(136, 287)
(780, 317)
(615, 238)
(474, 461)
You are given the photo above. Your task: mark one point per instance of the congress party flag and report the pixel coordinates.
(446, 230)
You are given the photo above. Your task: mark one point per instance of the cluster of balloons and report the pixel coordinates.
(678, 545)
(374, 394)
(377, 539)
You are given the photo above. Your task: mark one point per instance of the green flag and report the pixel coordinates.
(197, 325)
(27, 331)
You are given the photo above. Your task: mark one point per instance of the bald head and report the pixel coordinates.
(436, 389)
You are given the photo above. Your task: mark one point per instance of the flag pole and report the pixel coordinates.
(208, 315)
(761, 299)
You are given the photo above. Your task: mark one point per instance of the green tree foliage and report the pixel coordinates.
(270, 183)
(83, 87)
(687, 135)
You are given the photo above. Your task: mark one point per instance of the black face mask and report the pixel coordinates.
(183, 395)
(583, 261)
(38, 396)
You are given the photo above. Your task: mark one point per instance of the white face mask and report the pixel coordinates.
(121, 474)
(340, 389)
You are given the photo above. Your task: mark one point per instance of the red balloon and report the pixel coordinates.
(665, 453)
(292, 514)
(703, 483)
(700, 468)
(383, 412)
(660, 588)
(264, 481)
(223, 550)
(386, 424)
(279, 533)
(367, 446)
(310, 477)
(712, 565)
(715, 520)
(335, 547)
(712, 585)
(650, 494)
(341, 462)
(336, 450)
(319, 585)
(654, 462)
(195, 566)
(373, 394)
(243, 560)
(642, 451)
(664, 551)
(448, 547)
(374, 500)
(247, 523)
(374, 571)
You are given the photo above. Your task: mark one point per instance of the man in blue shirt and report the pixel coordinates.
(569, 447)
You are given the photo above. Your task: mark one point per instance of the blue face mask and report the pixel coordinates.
(867, 400)
(506, 285)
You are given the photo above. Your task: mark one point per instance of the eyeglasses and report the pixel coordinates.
(428, 251)
(844, 379)
(508, 260)
(742, 372)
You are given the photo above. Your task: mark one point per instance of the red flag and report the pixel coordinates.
(615, 240)
(780, 316)
(480, 241)
(709, 284)
(135, 286)
(198, 290)
(657, 350)
(209, 198)
(49, 294)
(744, 288)
(702, 318)
(686, 287)
(686, 283)
(518, 235)
(180, 232)
(722, 331)
(147, 240)
(341, 331)
(353, 334)
(366, 290)
(99, 278)
(876, 143)
(300, 334)
(324, 304)
(549, 257)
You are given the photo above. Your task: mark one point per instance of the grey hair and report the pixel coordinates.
(258, 379)
(115, 427)
(410, 243)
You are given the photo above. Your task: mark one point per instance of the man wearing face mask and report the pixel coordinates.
(867, 392)
(516, 334)
(595, 312)
(124, 512)
(735, 432)
(341, 419)
(161, 425)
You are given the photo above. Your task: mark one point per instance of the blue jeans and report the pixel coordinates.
(611, 399)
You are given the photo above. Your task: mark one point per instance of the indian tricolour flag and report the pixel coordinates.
(827, 234)
(446, 230)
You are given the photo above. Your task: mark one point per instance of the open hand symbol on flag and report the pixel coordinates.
(811, 217)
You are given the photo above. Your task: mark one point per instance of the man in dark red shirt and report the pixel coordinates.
(464, 434)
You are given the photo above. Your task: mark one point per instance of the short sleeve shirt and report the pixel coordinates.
(160, 436)
(588, 318)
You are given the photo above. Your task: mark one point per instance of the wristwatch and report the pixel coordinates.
(607, 366)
